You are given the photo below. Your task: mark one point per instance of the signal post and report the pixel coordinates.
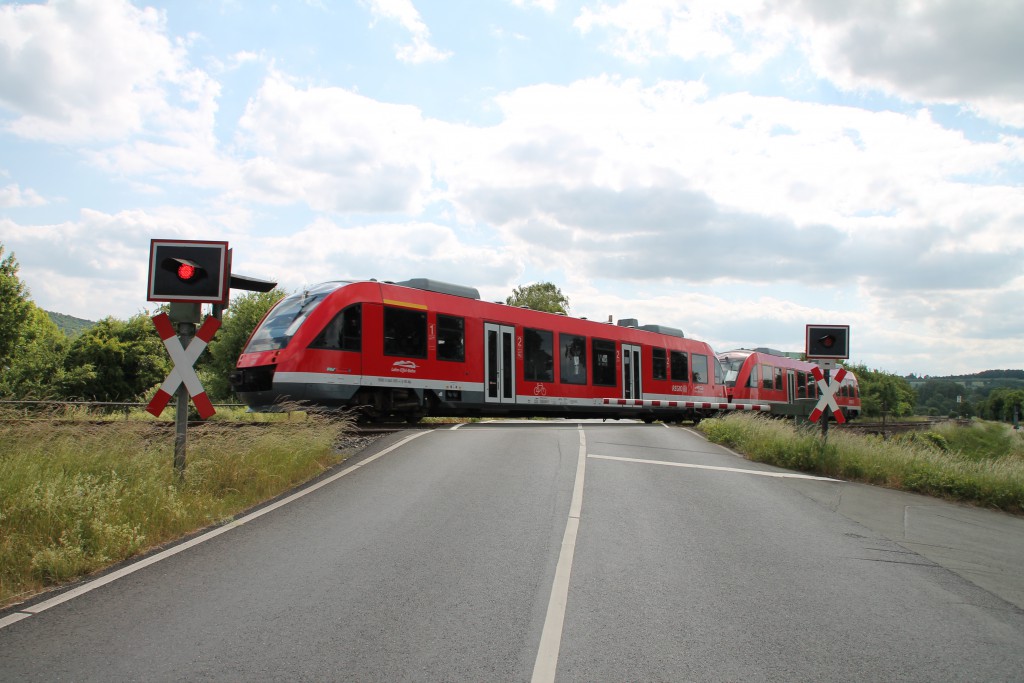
(188, 274)
(826, 344)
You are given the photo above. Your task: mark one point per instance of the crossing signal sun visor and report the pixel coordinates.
(189, 271)
(828, 342)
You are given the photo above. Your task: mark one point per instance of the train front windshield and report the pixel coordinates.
(286, 317)
(732, 365)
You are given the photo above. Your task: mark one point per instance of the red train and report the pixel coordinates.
(786, 384)
(424, 347)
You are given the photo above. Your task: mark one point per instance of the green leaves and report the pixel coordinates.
(540, 296)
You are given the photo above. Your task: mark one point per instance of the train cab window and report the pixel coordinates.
(603, 355)
(679, 366)
(573, 363)
(405, 333)
(538, 360)
(752, 382)
(451, 338)
(700, 368)
(659, 364)
(767, 372)
(344, 332)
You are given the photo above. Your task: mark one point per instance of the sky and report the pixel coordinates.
(737, 169)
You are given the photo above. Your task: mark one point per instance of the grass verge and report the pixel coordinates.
(982, 464)
(78, 497)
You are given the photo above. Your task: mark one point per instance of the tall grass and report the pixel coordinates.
(78, 497)
(981, 464)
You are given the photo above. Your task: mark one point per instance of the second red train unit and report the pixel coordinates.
(765, 376)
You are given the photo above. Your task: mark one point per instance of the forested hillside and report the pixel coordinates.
(991, 394)
(70, 325)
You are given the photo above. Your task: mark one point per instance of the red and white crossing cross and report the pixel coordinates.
(827, 391)
(183, 372)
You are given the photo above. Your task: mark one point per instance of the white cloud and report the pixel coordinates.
(620, 150)
(742, 30)
(958, 51)
(963, 52)
(406, 15)
(546, 5)
(12, 196)
(76, 70)
(387, 251)
(334, 149)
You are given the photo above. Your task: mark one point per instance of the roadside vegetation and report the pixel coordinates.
(79, 495)
(981, 464)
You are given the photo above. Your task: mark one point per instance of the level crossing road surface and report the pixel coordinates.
(547, 551)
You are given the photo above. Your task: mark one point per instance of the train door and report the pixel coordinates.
(499, 363)
(631, 387)
(791, 386)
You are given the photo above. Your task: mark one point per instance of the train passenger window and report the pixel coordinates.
(573, 363)
(767, 372)
(344, 332)
(659, 364)
(801, 384)
(778, 379)
(451, 338)
(405, 333)
(603, 353)
(538, 359)
(752, 382)
(679, 366)
(700, 368)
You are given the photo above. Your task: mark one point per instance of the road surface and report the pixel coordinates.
(554, 551)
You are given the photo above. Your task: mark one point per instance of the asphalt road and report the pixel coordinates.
(540, 551)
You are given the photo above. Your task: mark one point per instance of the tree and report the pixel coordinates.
(37, 364)
(116, 361)
(240, 319)
(15, 308)
(540, 296)
(1001, 404)
(883, 391)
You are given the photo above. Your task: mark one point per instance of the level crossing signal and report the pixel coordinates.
(189, 271)
(828, 342)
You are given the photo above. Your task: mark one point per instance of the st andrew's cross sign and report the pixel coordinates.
(183, 372)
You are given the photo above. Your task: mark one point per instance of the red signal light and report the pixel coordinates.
(828, 341)
(186, 271)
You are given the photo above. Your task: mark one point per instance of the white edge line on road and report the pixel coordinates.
(546, 664)
(181, 547)
(760, 473)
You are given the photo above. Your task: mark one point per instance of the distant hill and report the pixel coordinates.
(983, 378)
(70, 325)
